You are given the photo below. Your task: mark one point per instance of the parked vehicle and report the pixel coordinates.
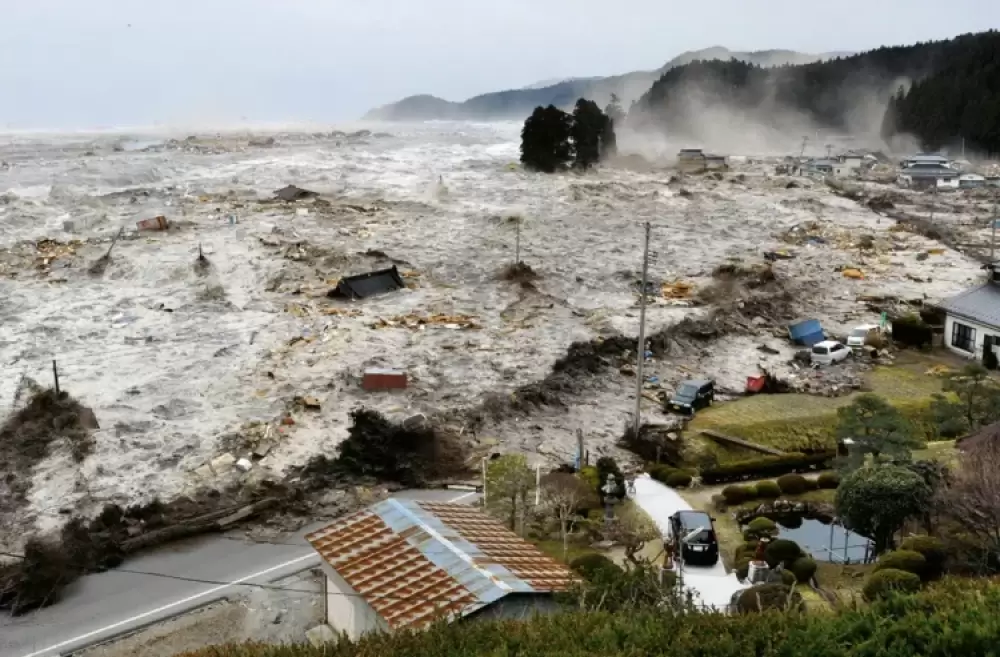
(864, 334)
(693, 534)
(692, 395)
(829, 352)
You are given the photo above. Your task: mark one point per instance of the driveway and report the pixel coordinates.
(711, 586)
(194, 573)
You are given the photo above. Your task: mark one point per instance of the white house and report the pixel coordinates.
(972, 320)
(405, 564)
(971, 181)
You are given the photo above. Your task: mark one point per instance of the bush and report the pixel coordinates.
(678, 479)
(792, 484)
(766, 466)
(768, 490)
(591, 566)
(912, 331)
(803, 568)
(883, 583)
(742, 569)
(734, 495)
(749, 492)
(746, 550)
(934, 553)
(788, 578)
(811, 484)
(768, 596)
(590, 475)
(719, 502)
(782, 551)
(759, 528)
(828, 480)
(908, 560)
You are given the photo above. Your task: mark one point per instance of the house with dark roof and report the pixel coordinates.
(406, 564)
(972, 320)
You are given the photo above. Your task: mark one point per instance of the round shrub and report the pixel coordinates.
(734, 495)
(768, 596)
(782, 551)
(908, 560)
(811, 484)
(769, 490)
(746, 550)
(933, 551)
(678, 479)
(884, 582)
(591, 566)
(759, 528)
(803, 568)
(742, 569)
(750, 492)
(828, 480)
(719, 503)
(792, 484)
(787, 577)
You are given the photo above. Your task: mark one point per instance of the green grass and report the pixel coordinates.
(798, 421)
(942, 450)
(554, 548)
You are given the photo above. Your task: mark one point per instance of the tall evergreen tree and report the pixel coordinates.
(609, 141)
(614, 110)
(545, 140)
(588, 126)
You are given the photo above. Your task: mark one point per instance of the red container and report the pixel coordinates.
(383, 379)
(156, 223)
(756, 383)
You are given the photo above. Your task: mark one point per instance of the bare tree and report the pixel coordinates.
(565, 493)
(973, 497)
(632, 529)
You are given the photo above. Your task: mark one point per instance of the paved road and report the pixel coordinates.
(104, 605)
(713, 586)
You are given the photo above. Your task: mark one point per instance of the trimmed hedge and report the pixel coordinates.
(908, 560)
(678, 479)
(952, 618)
(792, 484)
(766, 466)
(768, 596)
(768, 490)
(782, 551)
(803, 568)
(934, 553)
(590, 566)
(750, 491)
(746, 550)
(828, 480)
(759, 528)
(788, 578)
(734, 495)
(884, 582)
(742, 569)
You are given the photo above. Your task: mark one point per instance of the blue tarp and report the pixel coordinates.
(806, 332)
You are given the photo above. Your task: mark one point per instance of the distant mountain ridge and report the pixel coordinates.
(518, 103)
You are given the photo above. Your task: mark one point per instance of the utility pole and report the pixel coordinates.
(641, 347)
(805, 140)
(55, 375)
(993, 229)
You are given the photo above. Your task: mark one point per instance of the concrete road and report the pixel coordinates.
(105, 605)
(711, 586)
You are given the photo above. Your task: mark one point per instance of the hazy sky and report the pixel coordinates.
(102, 63)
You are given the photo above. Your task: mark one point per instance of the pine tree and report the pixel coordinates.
(588, 125)
(609, 141)
(614, 110)
(545, 140)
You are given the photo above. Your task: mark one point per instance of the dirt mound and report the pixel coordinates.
(28, 433)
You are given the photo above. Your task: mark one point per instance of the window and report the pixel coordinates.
(963, 337)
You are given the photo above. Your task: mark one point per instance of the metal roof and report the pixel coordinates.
(416, 562)
(980, 304)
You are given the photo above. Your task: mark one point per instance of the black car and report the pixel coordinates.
(700, 549)
(692, 395)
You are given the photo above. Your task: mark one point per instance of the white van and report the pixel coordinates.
(864, 334)
(829, 352)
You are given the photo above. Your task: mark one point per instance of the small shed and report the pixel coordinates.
(404, 564)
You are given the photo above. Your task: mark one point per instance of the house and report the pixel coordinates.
(405, 564)
(972, 320)
(927, 174)
(925, 159)
(971, 181)
(993, 181)
(826, 167)
(695, 160)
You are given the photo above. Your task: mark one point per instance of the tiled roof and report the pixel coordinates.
(417, 562)
(980, 304)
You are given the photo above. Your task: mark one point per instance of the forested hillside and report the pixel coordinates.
(954, 95)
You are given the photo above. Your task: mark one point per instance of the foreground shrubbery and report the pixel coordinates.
(766, 466)
(956, 618)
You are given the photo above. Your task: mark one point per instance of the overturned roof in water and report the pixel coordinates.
(293, 193)
(366, 285)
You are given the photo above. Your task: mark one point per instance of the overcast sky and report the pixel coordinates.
(103, 63)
